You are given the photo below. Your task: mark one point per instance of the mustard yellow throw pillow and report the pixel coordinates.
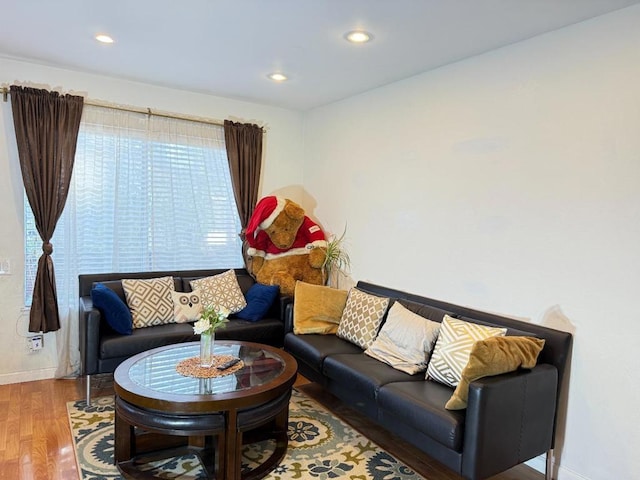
(494, 356)
(317, 309)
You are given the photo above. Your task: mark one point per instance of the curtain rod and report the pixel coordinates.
(96, 103)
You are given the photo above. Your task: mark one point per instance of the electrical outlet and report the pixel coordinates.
(35, 343)
(5, 266)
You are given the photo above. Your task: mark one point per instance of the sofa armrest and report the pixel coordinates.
(509, 420)
(89, 332)
(288, 317)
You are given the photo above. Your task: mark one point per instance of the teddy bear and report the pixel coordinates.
(285, 245)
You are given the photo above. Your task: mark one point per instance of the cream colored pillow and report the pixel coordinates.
(149, 301)
(453, 348)
(220, 291)
(362, 317)
(405, 340)
(317, 309)
(187, 307)
(494, 356)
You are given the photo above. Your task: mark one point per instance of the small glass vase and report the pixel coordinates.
(206, 349)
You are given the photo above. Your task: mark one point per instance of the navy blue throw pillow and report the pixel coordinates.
(113, 309)
(259, 300)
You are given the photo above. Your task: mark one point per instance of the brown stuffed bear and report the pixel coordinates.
(285, 245)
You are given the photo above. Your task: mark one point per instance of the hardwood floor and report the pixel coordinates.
(35, 441)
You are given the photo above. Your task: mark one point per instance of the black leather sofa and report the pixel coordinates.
(510, 418)
(102, 349)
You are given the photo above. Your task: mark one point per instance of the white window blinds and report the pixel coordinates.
(148, 193)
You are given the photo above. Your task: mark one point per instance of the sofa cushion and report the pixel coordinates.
(221, 291)
(453, 347)
(313, 349)
(421, 405)
(363, 374)
(112, 308)
(362, 317)
(405, 340)
(149, 300)
(317, 308)
(267, 330)
(495, 356)
(259, 300)
(119, 346)
(187, 306)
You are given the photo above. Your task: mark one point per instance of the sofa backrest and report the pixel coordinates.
(181, 279)
(557, 347)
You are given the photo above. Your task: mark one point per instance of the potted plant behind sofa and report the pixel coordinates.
(336, 260)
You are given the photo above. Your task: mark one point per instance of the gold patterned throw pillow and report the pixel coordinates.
(220, 291)
(453, 348)
(361, 318)
(149, 300)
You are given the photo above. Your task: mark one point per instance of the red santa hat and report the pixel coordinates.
(266, 211)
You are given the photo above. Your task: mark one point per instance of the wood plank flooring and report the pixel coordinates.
(35, 440)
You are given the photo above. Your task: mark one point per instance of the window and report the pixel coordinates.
(148, 193)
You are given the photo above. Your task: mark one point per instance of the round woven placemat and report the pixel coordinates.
(190, 367)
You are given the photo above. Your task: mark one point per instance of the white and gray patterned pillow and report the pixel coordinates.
(452, 350)
(361, 318)
(220, 290)
(149, 300)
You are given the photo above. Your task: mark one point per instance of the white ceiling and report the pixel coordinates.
(227, 47)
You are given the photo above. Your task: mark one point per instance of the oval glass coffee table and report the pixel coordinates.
(158, 409)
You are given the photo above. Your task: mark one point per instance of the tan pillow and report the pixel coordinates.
(362, 317)
(453, 348)
(405, 340)
(317, 309)
(220, 291)
(494, 356)
(149, 301)
(186, 306)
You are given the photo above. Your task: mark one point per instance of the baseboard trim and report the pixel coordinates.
(540, 462)
(567, 474)
(28, 376)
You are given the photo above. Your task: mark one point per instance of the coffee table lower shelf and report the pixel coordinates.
(144, 436)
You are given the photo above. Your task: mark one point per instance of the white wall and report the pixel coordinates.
(282, 168)
(509, 182)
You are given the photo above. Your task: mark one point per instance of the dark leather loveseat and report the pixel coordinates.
(510, 418)
(102, 349)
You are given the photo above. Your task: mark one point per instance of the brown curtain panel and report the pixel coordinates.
(244, 151)
(46, 125)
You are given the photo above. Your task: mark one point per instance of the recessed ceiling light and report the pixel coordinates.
(277, 77)
(358, 36)
(102, 38)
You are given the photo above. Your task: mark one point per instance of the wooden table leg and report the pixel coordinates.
(233, 446)
(124, 440)
(197, 441)
(221, 457)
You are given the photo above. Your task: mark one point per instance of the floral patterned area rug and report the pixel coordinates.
(321, 446)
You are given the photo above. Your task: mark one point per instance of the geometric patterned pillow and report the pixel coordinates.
(452, 350)
(186, 306)
(221, 290)
(361, 318)
(149, 301)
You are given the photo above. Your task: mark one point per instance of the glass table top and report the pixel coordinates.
(157, 371)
